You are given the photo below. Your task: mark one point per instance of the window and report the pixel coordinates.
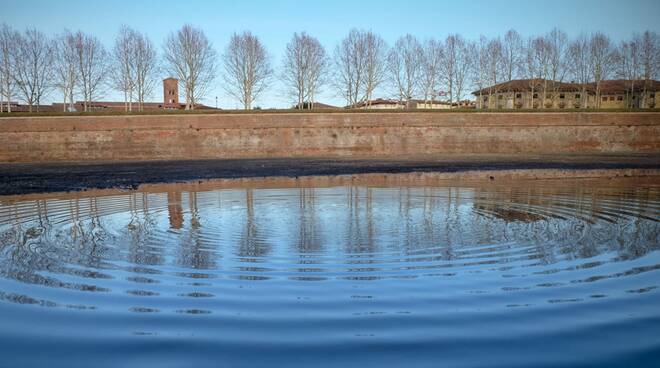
(652, 95)
(536, 95)
(561, 95)
(499, 97)
(619, 98)
(577, 95)
(485, 98)
(611, 98)
(518, 95)
(604, 99)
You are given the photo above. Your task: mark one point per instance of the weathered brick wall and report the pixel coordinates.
(166, 137)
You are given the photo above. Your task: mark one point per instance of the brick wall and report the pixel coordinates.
(171, 137)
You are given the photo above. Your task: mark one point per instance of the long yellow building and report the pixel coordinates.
(548, 94)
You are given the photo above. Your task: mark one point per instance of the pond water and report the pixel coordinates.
(529, 273)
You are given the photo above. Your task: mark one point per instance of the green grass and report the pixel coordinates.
(320, 111)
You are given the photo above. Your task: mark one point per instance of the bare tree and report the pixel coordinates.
(134, 65)
(539, 52)
(375, 55)
(456, 65)
(65, 67)
(534, 65)
(649, 44)
(600, 60)
(146, 59)
(404, 63)
(557, 44)
(189, 55)
(123, 65)
(480, 68)
(629, 66)
(304, 68)
(495, 64)
(32, 66)
(465, 64)
(7, 42)
(432, 58)
(360, 65)
(579, 67)
(92, 60)
(512, 55)
(449, 65)
(349, 60)
(247, 68)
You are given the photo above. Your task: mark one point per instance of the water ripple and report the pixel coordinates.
(351, 270)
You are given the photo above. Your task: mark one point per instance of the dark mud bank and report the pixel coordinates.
(62, 177)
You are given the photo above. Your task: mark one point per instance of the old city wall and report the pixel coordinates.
(374, 134)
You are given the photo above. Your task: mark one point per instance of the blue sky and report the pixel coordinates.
(275, 21)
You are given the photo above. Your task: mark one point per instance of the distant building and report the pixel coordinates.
(378, 104)
(620, 93)
(543, 93)
(171, 93)
(392, 104)
(314, 106)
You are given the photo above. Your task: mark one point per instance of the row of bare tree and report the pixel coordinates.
(76, 64)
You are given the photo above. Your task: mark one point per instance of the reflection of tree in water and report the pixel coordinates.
(307, 240)
(425, 228)
(142, 226)
(194, 253)
(36, 245)
(251, 244)
(504, 224)
(357, 233)
(360, 245)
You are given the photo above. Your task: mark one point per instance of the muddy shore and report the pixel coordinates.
(62, 177)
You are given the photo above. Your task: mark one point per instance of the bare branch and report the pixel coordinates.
(190, 57)
(32, 71)
(404, 64)
(247, 68)
(304, 69)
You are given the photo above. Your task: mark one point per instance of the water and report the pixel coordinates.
(535, 273)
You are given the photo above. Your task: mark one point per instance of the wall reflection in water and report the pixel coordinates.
(313, 234)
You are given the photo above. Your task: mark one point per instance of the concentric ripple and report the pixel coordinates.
(482, 274)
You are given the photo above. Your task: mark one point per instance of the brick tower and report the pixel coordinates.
(171, 93)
